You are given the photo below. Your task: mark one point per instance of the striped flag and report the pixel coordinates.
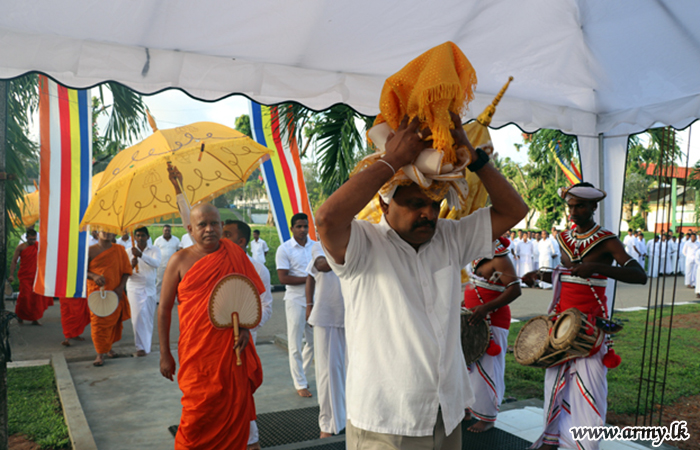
(570, 170)
(64, 189)
(284, 179)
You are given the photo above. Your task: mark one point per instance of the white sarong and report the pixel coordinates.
(143, 309)
(486, 376)
(330, 352)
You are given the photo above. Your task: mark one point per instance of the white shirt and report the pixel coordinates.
(126, 244)
(689, 249)
(329, 307)
(186, 241)
(266, 297)
(258, 249)
(524, 249)
(91, 241)
(295, 258)
(546, 253)
(145, 278)
(630, 245)
(167, 247)
(402, 324)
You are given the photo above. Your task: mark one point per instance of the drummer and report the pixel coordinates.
(587, 257)
(493, 287)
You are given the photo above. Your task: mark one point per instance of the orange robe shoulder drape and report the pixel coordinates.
(30, 306)
(217, 395)
(112, 264)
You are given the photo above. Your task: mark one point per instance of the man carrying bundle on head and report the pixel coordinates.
(401, 277)
(493, 286)
(588, 254)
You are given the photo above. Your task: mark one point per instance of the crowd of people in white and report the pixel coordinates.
(534, 251)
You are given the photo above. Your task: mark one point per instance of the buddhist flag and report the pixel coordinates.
(64, 189)
(570, 170)
(284, 179)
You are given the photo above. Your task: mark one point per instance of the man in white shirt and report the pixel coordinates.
(546, 254)
(238, 232)
(630, 244)
(556, 258)
(656, 258)
(689, 250)
(407, 382)
(141, 289)
(535, 249)
(524, 251)
(325, 311)
(641, 249)
(292, 259)
(671, 254)
(168, 245)
(258, 247)
(682, 240)
(125, 241)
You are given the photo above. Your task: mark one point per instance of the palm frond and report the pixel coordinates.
(127, 115)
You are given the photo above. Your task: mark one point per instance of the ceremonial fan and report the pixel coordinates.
(235, 302)
(102, 303)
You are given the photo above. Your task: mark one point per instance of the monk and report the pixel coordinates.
(30, 306)
(75, 316)
(108, 268)
(217, 394)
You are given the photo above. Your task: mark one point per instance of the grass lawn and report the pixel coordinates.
(34, 408)
(683, 369)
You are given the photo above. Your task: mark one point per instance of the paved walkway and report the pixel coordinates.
(128, 404)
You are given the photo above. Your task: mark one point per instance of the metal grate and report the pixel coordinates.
(494, 438)
(287, 427)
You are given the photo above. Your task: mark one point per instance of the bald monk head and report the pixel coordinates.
(205, 226)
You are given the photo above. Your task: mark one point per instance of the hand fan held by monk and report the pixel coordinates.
(235, 295)
(103, 303)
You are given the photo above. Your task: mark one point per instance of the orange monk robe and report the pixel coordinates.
(75, 316)
(112, 264)
(30, 306)
(217, 395)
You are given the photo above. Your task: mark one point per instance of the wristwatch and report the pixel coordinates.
(481, 160)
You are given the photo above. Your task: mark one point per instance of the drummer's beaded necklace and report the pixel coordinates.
(577, 258)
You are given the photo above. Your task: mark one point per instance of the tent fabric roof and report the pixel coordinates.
(582, 66)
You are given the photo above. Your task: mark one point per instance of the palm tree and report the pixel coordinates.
(339, 137)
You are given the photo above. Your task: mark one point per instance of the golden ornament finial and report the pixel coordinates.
(486, 116)
(151, 121)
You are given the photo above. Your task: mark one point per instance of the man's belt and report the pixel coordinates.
(485, 285)
(587, 281)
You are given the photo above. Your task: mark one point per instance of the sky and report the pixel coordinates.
(173, 108)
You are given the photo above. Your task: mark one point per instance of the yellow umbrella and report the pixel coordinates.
(135, 189)
(30, 207)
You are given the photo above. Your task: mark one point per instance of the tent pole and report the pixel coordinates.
(601, 175)
(4, 86)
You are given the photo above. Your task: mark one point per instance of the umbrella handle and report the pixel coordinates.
(133, 244)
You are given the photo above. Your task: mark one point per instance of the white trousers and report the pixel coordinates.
(143, 310)
(681, 263)
(159, 281)
(330, 353)
(254, 435)
(575, 395)
(525, 265)
(486, 376)
(697, 277)
(297, 329)
(689, 272)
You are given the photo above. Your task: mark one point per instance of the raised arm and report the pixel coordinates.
(335, 216)
(507, 207)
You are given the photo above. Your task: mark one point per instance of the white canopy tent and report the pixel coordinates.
(598, 69)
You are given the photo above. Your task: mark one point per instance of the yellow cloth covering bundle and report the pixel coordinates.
(437, 82)
(431, 86)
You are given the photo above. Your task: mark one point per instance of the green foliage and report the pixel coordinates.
(637, 222)
(339, 135)
(21, 158)
(243, 125)
(683, 369)
(34, 408)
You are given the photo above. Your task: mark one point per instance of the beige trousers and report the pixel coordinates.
(367, 440)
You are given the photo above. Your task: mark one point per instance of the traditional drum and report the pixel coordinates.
(475, 338)
(235, 302)
(532, 347)
(102, 303)
(573, 333)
